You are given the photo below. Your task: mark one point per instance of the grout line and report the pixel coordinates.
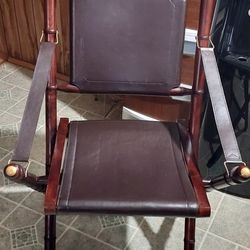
(211, 222)
(133, 236)
(18, 102)
(233, 242)
(90, 236)
(99, 233)
(15, 70)
(246, 201)
(19, 204)
(4, 227)
(67, 228)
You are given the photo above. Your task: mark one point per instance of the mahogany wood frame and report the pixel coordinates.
(206, 16)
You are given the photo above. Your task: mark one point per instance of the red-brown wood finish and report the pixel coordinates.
(51, 95)
(192, 168)
(51, 115)
(54, 176)
(189, 239)
(205, 22)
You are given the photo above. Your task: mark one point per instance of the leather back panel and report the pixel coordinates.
(127, 46)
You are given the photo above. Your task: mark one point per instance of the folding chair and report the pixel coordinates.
(125, 167)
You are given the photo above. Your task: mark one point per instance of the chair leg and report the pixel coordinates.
(50, 232)
(189, 240)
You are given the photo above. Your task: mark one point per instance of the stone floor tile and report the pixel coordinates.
(91, 116)
(34, 247)
(6, 207)
(40, 231)
(13, 191)
(212, 242)
(89, 224)
(20, 78)
(3, 73)
(72, 113)
(1, 178)
(3, 153)
(232, 221)
(111, 220)
(161, 233)
(5, 242)
(214, 198)
(90, 103)
(6, 101)
(21, 217)
(66, 219)
(117, 236)
(242, 248)
(18, 93)
(4, 160)
(66, 98)
(9, 67)
(73, 240)
(35, 201)
(36, 168)
(203, 223)
(18, 109)
(8, 120)
(133, 221)
(4, 86)
(24, 237)
(8, 131)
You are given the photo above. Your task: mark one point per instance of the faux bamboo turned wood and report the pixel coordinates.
(51, 115)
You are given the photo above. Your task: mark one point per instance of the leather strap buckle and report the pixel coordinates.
(203, 38)
(56, 32)
(230, 164)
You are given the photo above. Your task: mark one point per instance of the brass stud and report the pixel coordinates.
(245, 172)
(11, 170)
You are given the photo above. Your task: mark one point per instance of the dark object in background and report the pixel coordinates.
(232, 42)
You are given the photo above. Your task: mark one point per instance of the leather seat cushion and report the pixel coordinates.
(126, 167)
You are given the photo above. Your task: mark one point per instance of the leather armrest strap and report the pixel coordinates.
(34, 102)
(220, 109)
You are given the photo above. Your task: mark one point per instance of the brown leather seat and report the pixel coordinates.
(126, 167)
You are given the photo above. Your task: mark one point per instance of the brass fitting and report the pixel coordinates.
(11, 170)
(245, 172)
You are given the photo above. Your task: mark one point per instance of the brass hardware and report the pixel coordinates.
(198, 44)
(11, 170)
(245, 172)
(57, 37)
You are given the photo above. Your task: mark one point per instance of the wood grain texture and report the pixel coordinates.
(26, 29)
(10, 28)
(3, 44)
(193, 8)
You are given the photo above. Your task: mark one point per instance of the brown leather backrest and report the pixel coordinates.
(127, 46)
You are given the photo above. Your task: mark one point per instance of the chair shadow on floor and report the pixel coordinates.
(113, 237)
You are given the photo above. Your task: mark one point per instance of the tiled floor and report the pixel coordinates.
(21, 214)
